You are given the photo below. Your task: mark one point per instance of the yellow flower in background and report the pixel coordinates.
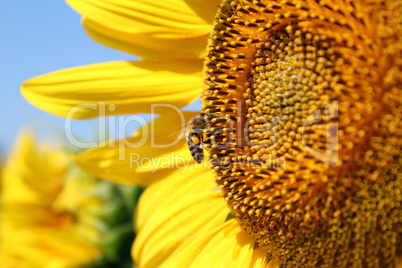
(53, 214)
(263, 57)
(46, 213)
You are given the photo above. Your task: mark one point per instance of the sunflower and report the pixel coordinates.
(39, 210)
(303, 107)
(53, 214)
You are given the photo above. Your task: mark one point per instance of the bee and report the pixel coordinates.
(197, 137)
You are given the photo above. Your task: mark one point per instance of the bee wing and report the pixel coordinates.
(184, 131)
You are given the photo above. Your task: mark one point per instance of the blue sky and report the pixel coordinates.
(38, 38)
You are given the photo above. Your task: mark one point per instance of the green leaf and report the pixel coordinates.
(116, 243)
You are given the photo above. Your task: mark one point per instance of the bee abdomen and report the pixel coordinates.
(197, 153)
(194, 144)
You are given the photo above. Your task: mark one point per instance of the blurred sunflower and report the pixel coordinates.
(266, 60)
(55, 215)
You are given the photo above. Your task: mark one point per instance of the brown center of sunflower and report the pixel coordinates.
(304, 102)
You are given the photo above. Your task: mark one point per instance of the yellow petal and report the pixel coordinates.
(167, 229)
(205, 9)
(149, 29)
(115, 88)
(260, 258)
(177, 186)
(183, 183)
(231, 247)
(43, 247)
(20, 182)
(151, 154)
(225, 245)
(165, 218)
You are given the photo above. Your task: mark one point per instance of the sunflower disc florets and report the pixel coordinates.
(305, 109)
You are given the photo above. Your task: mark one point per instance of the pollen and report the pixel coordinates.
(306, 105)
